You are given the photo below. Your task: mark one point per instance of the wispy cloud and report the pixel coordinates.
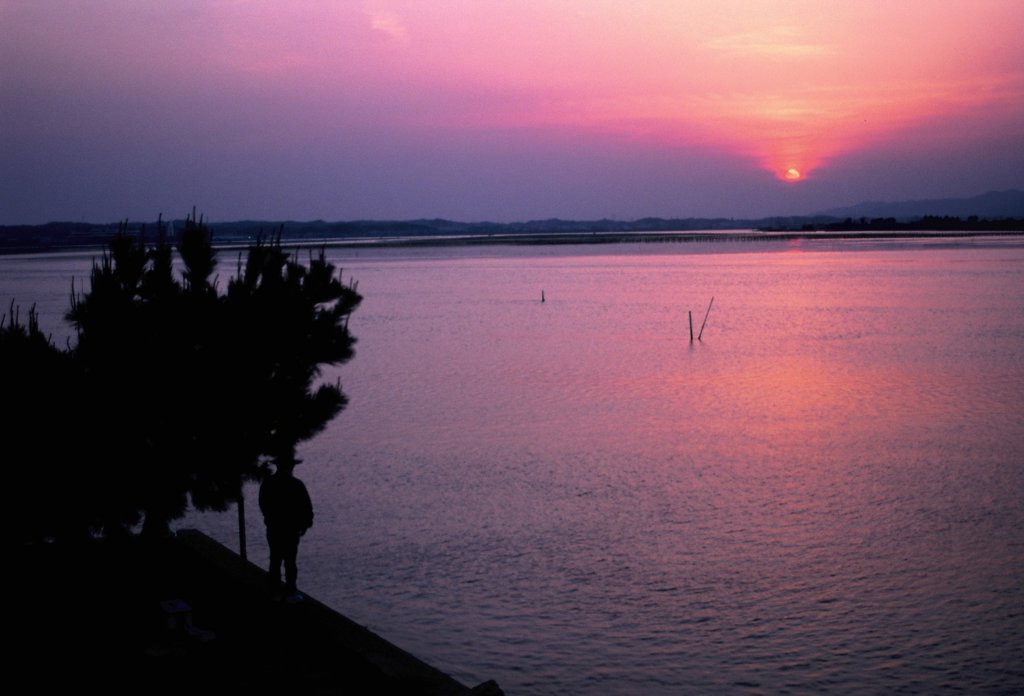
(779, 41)
(388, 23)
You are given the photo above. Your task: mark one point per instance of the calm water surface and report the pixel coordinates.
(822, 495)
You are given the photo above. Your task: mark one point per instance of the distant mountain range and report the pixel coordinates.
(994, 204)
(996, 211)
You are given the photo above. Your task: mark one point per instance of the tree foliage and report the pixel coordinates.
(176, 392)
(37, 382)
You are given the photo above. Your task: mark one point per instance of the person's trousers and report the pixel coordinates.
(284, 547)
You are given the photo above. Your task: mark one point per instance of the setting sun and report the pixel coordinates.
(544, 109)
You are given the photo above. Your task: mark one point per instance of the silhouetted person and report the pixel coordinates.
(288, 513)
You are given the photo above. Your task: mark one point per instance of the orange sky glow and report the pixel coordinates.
(791, 89)
(790, 85)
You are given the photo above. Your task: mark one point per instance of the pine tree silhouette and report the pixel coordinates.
(174, 391)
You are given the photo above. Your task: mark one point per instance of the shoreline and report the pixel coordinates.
(555, 239)
(186, 614)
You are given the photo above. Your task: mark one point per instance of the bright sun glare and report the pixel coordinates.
(792, 174)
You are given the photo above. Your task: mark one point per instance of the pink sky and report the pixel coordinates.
(474, 109)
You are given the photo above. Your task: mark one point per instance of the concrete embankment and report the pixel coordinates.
(185, 615)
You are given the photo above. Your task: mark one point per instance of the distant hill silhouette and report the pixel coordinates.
(1006, 208)
(994, 204)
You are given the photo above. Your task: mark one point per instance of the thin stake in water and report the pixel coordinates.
(705, 321)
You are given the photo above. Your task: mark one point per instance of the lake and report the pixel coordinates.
(824, 494)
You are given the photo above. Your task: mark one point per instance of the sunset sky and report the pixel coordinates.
(502, 110)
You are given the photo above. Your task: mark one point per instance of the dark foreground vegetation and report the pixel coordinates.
(174, 392)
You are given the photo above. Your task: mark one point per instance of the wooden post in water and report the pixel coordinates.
(690, 314)
(705, 321)
(541, 295)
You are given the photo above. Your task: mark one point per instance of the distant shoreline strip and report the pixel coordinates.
(584, 238)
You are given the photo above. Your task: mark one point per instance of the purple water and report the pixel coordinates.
(824, 494)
